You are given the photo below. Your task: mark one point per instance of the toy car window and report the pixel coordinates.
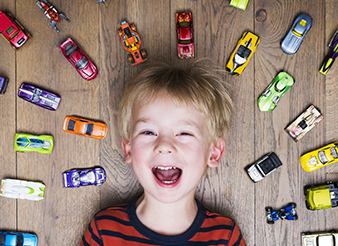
(2, 239)
(82, 63)
(36, 95)
(127, 32)
(36, 143)
(184, 24)
(10, 30)
(71, 125)
(267, 166)
(89, 129)
(88, 177)
(19, 240)
(22, 142)
(322, 157)
(185, 41)
(243, 51)
(299, 29)
(325, 240)
(70, 49)
(334, 152)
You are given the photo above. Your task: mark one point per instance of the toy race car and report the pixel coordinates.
(83, 177)
(331, 56)
(269, 99)
(9, 238)
(131, 42)
(22, 189)
(79, 60)
(240, 4)
(30, 143)
(85, 127)
(321, 196)
(12, 30)
(185, 35)
(39, 96)
(288, 212)
(51, 13)
(296, 34)
(319, 158)
(244, 50)
(3, 84)
(320, 239)
(304, 123)
(263, 167)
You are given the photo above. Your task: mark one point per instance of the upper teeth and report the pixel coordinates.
(166, 168)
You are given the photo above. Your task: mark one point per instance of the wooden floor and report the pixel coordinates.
(61, 218)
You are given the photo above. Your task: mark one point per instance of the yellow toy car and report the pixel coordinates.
(240, 57)
(321, 157)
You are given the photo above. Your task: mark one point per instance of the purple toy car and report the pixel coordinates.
(39, 96)
(82, 177)
(3, 84)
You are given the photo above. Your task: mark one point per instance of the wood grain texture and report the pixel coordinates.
(62, 217)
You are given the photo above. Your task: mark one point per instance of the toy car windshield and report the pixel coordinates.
(89, 129)
(300, 28)
(82, 63)
(242, 54)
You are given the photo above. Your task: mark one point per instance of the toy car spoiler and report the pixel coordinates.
(331, 56)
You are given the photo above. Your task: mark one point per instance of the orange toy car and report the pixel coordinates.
(131, 41)
(85, 127)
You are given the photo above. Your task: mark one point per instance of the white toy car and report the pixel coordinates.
(320, 239)
(15, 188)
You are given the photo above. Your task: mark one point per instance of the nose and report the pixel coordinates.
(164, 145)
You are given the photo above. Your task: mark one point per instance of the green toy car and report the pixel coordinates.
(321, 196)
(269, 99)
(30, 143)
(241, 4)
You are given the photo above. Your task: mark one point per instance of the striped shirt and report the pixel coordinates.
(120, 226)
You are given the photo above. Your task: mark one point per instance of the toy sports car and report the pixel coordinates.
(3, 84)
(80, 61)
(331, 56)
(185, 35)
(296, 34)
(31, 143)
(39, 96)
(9, 238)
(83, 177)
(85, 127)
(269, 99)
(288, 212)
(320, 239)
(244, 50)
(241, 4)
(263, 167)
(22, 189)
(321, 196)
(304, 123)
(12, 30)
(131, 42)
(319, 158)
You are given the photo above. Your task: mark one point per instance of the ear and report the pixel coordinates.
(126, 146)
(217, 151)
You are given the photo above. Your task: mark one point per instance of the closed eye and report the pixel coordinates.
(185, 134)
(149, 133)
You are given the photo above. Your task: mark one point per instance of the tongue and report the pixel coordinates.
(167, 175)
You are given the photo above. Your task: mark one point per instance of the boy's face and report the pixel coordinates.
(170, 148)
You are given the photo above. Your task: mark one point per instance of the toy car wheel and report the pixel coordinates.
(271, 222)
(293, 205)
(130, 58)
(133, 27)
(295, 217)
(143, 54)
(268, 209)
(307, 205)
(120, 32)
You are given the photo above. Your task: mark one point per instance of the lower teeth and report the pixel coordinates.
(169, 182)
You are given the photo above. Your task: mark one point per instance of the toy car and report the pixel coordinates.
(51, 13)
(12, 30)
(288, 212)
(321, 196)
(3, 84)
(320, 239)
(241, 4)
(131, 42)
(22, 189)
(185, 35)
(321, 157)
(9, 238)
(30, 143)
(263, 167)
(85, 127)
(83, 177)
(331, 56)
(304, 123)
(78, 59)
(296, 34)
(39, 96)
(244, 50)
(269, 99)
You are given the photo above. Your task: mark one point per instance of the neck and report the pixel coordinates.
(166, 218)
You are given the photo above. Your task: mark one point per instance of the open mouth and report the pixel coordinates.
(167, 175)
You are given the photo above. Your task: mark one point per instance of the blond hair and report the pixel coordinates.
(197, 83)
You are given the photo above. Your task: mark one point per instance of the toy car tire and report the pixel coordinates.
(120, 32)
(130, 59)
(295, 217)
(144, 54)
(133, 27)
(268, 209)
(271, 222)
(307, 205)
(293, 205)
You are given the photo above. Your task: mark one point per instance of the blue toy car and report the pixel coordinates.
(288, 212)
(295, 36)
(3, 84)
(83, 177)
(18, 239)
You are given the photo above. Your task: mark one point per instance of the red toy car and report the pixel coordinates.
(12, 31)
(185, 35)
(131, 42)
(78, 59)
